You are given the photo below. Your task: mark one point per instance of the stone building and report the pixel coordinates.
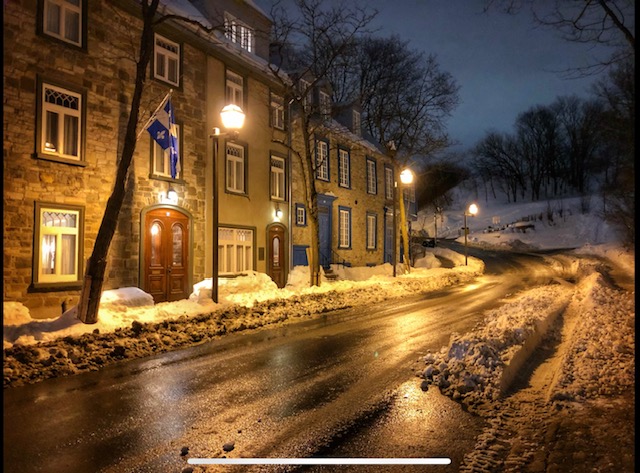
(354, 179)
(69, 73)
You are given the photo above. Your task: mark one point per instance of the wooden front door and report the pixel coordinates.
(276, 261)
(166, 256)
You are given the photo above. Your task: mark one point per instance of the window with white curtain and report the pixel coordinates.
(61, 123)
(62, 19)
(235, 250)
(58, 242)
(235, 174)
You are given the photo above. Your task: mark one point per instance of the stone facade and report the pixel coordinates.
(103, 69)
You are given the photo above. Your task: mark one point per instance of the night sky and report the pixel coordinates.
(504, 64)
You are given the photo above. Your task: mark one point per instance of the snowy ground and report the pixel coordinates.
(587, 327)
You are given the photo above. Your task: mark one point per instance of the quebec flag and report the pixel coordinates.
(164, 131)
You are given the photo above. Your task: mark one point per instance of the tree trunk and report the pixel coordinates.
(97, 263)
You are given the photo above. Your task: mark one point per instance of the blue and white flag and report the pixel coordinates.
(164, 131)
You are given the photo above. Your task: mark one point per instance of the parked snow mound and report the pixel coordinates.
(125, 297)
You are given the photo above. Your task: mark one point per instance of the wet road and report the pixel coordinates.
(340, 385)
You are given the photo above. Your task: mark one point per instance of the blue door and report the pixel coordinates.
(324, 235)
(388, 237)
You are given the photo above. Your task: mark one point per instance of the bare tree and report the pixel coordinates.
(405, 97)
(308, 40)
(609, 23)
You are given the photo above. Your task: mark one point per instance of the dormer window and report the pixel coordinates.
(325, 104)
(305, 92)
(356, 124)
(239, 33)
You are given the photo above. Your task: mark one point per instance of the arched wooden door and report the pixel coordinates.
(276, 263)
(166, 255)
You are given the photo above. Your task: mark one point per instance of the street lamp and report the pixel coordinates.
(471, 211)
(232, 119)
(406, 178)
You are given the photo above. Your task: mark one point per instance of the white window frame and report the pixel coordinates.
(57, 233)
(344, 227)
(63, 29)
(66, 105)
(235, 88)
(239, 33)
(372, 231)
(161, 158)
(166, 53)
(278, 169)
(322, 160)
(325, 104)
(277, 111)
(301, 215)
(235, 168)
(372, 181)
(389, 182)
(344, 168)
(235, 250)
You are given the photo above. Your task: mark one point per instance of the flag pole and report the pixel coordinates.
(153, 116)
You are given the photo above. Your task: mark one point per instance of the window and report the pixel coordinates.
(166, 60)
(61, 123)
(357, 124)
(277, 111)
(235, 168)
(305, 92)
(161, 161)
(277, 178)
(239, 33)
(372, 184)
(325, 104)
(388, 183)
(344, 168)
(235, 89)
(63, 19)
(58, 243)
(322, 160)
(301, 215)
(235, 250)
(344, 227)
(372, 231)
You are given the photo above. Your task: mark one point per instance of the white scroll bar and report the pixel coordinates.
(319, 461)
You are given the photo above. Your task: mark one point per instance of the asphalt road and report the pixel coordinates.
(340, 385)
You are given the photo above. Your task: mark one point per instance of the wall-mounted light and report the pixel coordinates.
(278, 212)
(172, 196)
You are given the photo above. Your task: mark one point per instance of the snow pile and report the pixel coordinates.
(473, 366)
(600, 359)
(56, 347)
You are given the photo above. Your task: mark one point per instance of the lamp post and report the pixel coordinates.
(406, 178)
(471, 211)
(232, 119)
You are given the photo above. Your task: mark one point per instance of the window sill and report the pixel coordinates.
(57, 159)
(55, 286)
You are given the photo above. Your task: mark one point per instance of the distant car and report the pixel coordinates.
(429, 243)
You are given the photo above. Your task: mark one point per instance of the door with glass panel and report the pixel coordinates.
(166, 255)
(276, 251)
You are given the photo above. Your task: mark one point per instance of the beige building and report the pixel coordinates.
(354, 179)
(68, 80)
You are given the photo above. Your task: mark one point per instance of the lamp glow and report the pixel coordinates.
(406, 176)
(232, 117)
